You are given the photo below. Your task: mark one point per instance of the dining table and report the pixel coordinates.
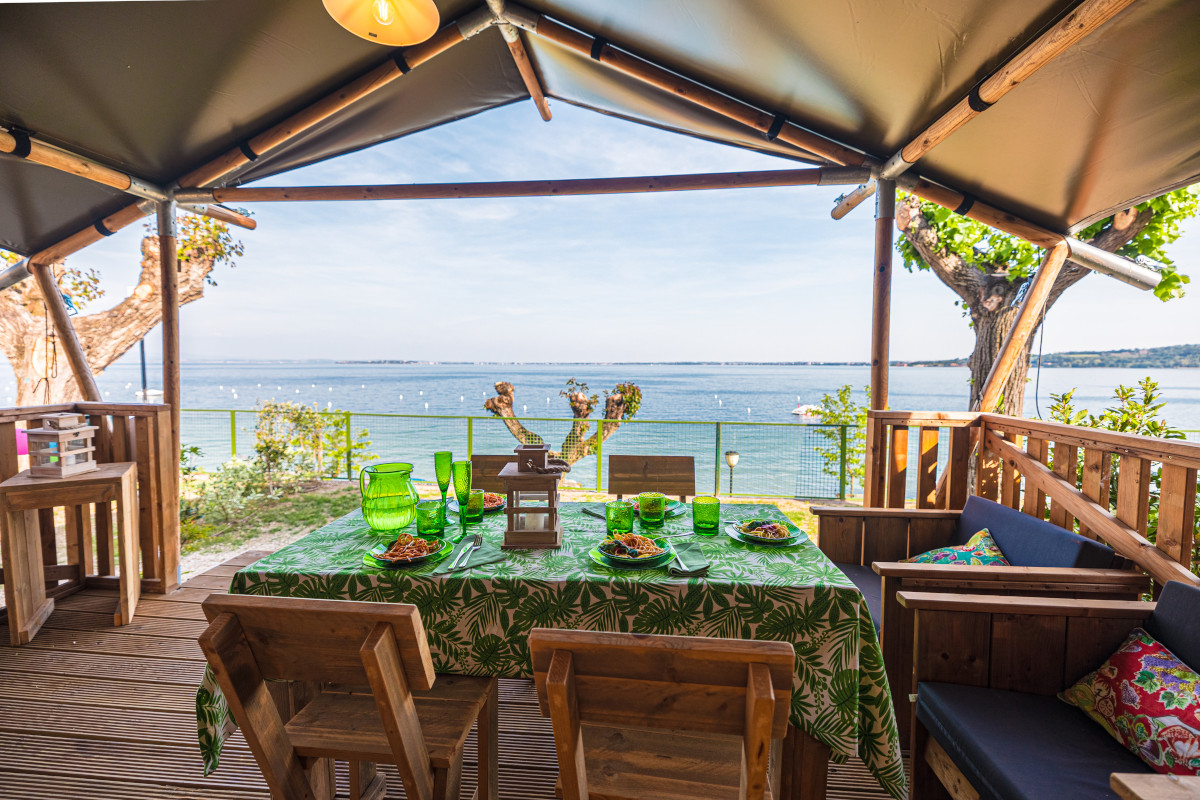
(478, 619)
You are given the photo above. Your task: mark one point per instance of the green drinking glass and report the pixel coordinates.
(431, 517)
(618, 516)
(441, 468)
(652, 508)
(706, 514)
(460, 474)
(474, 507)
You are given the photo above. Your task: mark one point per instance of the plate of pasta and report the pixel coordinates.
(778, 532)
(632, 551)
(492, 502)
(407, 551)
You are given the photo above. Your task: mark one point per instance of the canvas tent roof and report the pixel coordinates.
(159, 88)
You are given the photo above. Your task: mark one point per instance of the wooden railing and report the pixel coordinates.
(127, 432)
(1096, 482)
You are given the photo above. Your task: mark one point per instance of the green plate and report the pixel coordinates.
(618, 562)
(371, 561)
(674, 509)
(796, 537)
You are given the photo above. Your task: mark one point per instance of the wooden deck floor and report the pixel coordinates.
(92, 711)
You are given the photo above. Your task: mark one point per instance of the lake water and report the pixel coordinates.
(781, 458)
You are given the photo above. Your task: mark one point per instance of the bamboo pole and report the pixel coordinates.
(168, 259)
(1028, 318)
(693, 91)
(524, 66)
(92, 234)
(545, 188)
(57, 309)
(220, 213)
(1079, 23)
(881, 295)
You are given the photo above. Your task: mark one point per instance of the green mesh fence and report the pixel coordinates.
(774, 459)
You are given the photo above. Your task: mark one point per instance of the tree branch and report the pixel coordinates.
(502, 406)
(1119, 232)
(951, 270)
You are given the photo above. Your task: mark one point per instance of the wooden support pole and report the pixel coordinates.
(36, 152)
(66, 331)
(881, 295)
(220, 214)
(546, 188)
(693, 91)
(93, 233)
(524, 66)
(1028, 319)
(168, 257)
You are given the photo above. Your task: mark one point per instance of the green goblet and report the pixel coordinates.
(460, 473)
(441, 468)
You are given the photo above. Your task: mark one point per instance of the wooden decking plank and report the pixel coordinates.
(177, 726)
(140, 626)
(100, 602)
(22, 785)
(206, 581)
(97, 692)
(84, 664)
(185, 595)
(105, 641)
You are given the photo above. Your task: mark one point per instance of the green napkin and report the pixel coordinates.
(694, 561)
(486, 554)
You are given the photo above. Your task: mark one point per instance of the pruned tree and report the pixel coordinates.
(988, 269)
(620, 404)
(30, 342)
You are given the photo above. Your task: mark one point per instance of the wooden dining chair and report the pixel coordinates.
(663, 716)
(374, 695)
(671, 475)
(485, 471)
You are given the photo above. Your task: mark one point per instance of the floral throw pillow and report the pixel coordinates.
(1149, 701)
(981, 549)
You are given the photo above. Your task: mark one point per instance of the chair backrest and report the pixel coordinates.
(679, 683)
(1028, 541)
(1175, 621)
(485, 469)
(252, 639)
(671, 475)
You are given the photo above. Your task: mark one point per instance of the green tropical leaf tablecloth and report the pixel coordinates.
(478, 620)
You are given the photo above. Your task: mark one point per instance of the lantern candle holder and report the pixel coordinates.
(62, 447)
(531, 483)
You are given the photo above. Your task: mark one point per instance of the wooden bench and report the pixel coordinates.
(986, 672)
(867, 544)
(485, 471)
(671, 475)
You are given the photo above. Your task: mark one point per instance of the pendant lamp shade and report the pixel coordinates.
(389, 22)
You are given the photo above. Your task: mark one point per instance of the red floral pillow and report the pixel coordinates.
(1149, 701)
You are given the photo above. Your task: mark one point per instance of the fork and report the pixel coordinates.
(465, 555)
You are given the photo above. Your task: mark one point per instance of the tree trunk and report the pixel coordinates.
(32, 346)
(577, 443)
(990, 296)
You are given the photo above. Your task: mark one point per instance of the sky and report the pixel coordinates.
(736, 275)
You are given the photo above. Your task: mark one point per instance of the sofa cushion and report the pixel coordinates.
(980, 550)
(1017, 746)
(1148, 700)
(1028, 541)
(870, 584)
(1176, 621)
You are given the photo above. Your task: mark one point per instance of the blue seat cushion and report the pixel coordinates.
(870, 584)
(1016, 746)
(1175, 622)
(1028, 541)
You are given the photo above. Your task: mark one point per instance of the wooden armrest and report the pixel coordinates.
(1141, 786)
(907, 513)
(957, 573)
(1043, 606)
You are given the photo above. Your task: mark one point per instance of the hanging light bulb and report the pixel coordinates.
(391, 22)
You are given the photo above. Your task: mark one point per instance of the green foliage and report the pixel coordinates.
(1136, 411)
(840, 409)
(992, 250)
(295, 443)
(632, 395)
(224, 495)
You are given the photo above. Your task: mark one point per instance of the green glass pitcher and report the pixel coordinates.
(389, 501)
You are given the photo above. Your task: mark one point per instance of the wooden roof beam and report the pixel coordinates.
(22, 144)
(621, 60)
(1083, 20)
(529, 76)
(544, 188)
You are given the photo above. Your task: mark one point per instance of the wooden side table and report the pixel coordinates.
(21, 546)
(1147, 786)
